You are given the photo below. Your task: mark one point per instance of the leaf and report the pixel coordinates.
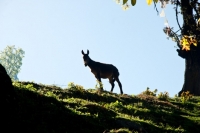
(185, 41)
(133, 2)
(149, 2)
(195, 44)
(124, 1)
(193, 41)
(186, 47)
(185, 44)
(156, 1)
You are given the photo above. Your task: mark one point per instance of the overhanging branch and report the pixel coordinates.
(177, 3)
(155, 7)
(178, 41)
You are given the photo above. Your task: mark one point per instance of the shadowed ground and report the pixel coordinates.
(49, 109)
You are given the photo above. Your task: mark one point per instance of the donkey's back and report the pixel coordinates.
(107, 68)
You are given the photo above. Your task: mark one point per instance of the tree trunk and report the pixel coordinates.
(192, 74)
(192, 57)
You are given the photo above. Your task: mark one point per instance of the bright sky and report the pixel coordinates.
(53, 32)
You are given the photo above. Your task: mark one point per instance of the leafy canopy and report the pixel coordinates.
(11, 59)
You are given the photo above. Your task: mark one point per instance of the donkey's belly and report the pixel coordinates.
(105, 75)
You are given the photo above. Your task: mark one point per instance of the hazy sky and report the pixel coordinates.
(53, 32)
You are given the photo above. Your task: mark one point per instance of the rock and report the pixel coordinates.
(5, 83)
(7, 101)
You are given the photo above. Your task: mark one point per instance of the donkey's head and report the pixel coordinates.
(86, 57)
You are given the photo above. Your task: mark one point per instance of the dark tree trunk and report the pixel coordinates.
(192, 74)
(192, 57)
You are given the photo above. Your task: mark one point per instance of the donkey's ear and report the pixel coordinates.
(82, 52)
(87, 51)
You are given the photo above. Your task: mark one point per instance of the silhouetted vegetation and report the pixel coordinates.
(49, 109)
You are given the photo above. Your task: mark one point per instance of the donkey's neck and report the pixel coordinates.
(91, 63)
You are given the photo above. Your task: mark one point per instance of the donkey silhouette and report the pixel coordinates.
(102, 70)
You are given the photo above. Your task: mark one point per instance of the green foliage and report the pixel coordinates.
(73, 86)
(22, 86)
(115, 105)
(121, 130)
(163, 96)
(186, 96)
(124, 1)
(176, 98)
(133, 2)
(148, 92)
(11, 59)
(51, 109)
(50, 94)
(99, 86)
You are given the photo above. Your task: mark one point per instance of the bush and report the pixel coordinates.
(73, 86)
(186, 96)
(163, 96)
(150, 93)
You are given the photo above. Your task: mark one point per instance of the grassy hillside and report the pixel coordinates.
(49, 109)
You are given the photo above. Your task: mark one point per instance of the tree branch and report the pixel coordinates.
(178, 41)
(155, 7)
(189, 24)
(177, 3)
(194, 3)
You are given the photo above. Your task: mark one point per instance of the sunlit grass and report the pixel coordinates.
(147, 112)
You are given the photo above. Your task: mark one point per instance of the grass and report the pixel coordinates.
(40, 108)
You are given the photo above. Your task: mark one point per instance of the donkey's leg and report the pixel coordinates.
(112, 83)
(119, 83)
(99, 79)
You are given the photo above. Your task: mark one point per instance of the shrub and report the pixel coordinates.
(99, 86)
(148, 92)
(163, 96)
(186, 96)
(176, 98)
(73, 86)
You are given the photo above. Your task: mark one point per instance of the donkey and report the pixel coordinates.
(101, 70)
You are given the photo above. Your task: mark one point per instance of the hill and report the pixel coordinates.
(41, 108)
